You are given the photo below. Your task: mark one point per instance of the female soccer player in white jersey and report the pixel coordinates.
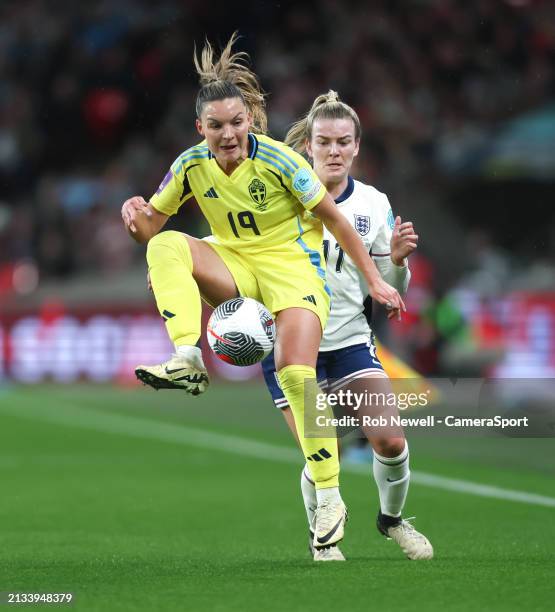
(330, 134)
(265, 206)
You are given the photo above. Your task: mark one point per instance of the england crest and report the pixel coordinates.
(362, 224)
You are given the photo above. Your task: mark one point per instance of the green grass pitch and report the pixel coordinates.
(136, 500)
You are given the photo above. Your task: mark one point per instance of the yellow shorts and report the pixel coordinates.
(280, 279)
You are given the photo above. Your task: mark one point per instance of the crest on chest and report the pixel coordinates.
(362, 224)
(257, 192)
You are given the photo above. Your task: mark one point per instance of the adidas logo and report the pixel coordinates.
(320, 455)
(310, 298)
(211, 193)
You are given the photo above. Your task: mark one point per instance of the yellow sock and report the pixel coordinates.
(170, 265)
(321, 453)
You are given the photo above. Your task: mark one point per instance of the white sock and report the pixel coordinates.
(330, 495)
(308, 491)
(192, 354)
(392, 477)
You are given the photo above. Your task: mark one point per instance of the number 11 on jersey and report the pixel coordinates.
(340, 255)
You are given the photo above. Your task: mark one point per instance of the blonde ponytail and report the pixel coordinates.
(325, 106)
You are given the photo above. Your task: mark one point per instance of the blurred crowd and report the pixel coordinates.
(96, 101)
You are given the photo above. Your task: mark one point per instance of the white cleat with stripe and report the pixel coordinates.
(331, 553)
(413, 543)
(178, 373)
(329, 524)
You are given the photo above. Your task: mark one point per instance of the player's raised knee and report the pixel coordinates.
(165, 239)
(168, 244)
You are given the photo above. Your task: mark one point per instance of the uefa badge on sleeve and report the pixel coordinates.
(362, 224)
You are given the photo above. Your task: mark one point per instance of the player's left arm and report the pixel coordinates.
(395, 269)
(404, 241)
(351, 243)
(393, 243)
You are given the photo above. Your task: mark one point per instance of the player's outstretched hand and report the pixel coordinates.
(387, 295)
(404, 241)
(131, 209)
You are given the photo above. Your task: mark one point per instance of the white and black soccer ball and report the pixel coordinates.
(241, 331)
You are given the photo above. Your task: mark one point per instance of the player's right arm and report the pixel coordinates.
(142, 221)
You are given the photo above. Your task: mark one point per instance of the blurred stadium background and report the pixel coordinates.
(457, 101)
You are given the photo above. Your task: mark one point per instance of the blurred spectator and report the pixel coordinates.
(81, 83)
(97, 100)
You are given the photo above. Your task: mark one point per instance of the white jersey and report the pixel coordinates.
(369, 212)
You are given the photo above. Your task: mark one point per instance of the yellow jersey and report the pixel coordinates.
(264, 204)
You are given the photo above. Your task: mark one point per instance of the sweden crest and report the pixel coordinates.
(362, 224)
(257, 191)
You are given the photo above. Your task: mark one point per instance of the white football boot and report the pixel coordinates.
(414, 544)
(177, 373)
(329, 524)
(328, 554)
(331, 553)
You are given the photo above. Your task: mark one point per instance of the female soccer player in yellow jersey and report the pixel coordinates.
(330, 133)
(265, 206)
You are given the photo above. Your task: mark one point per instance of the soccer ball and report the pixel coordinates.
(241, 331)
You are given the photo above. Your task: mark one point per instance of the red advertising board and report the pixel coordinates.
(99, 345)
(105, 344)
